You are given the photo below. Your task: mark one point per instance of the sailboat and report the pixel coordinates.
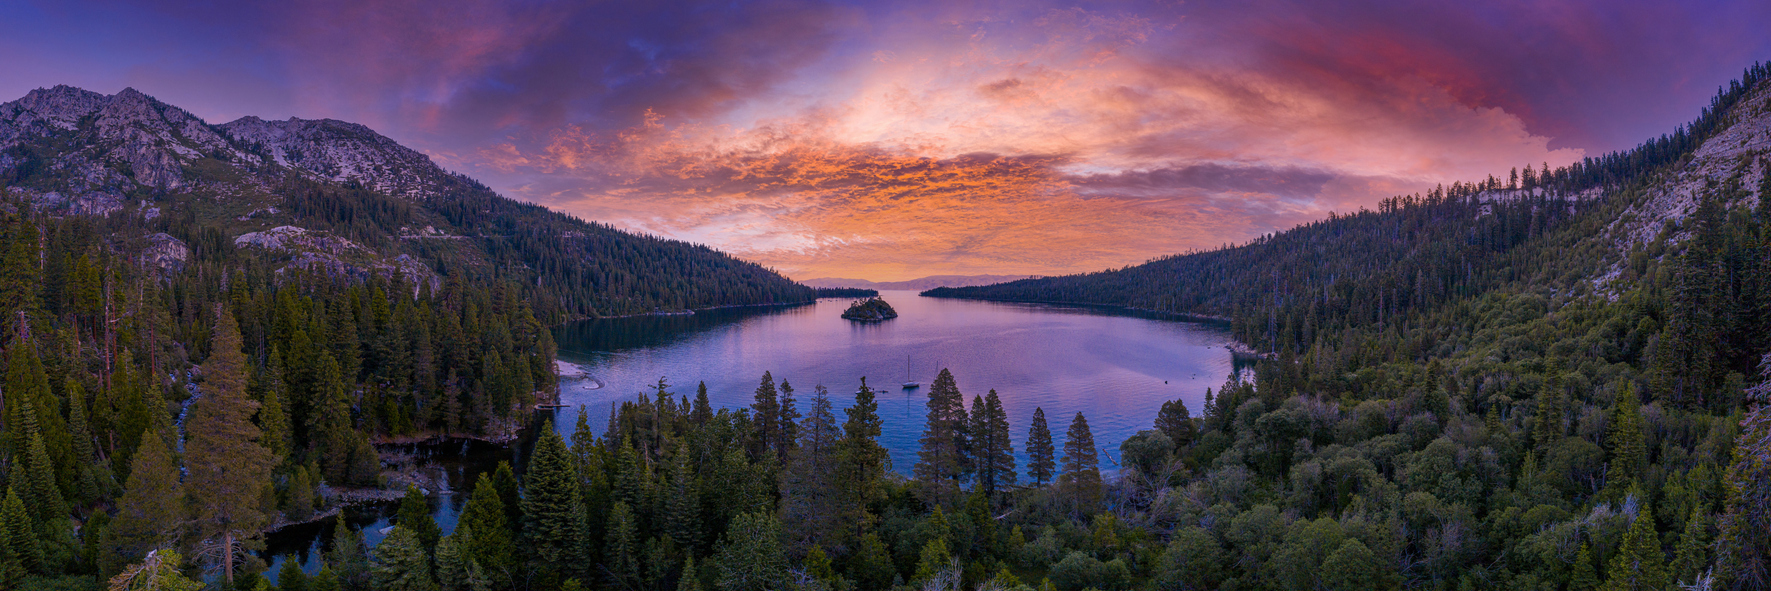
(908, 384)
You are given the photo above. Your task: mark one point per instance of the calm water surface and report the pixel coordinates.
(1115, 367)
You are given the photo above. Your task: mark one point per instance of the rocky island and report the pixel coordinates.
(870, 310)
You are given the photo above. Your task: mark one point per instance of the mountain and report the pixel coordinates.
(333, 195)
(930, 282)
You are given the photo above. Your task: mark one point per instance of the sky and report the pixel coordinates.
(894, 140)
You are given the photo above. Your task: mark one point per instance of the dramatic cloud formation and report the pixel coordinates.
(894, 140)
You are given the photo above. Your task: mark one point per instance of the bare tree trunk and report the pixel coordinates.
(227, 555)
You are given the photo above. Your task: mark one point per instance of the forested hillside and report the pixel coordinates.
(1512, 370)
(324, 194)
(206, 329)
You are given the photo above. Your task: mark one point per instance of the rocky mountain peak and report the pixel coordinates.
(130, 139)
(61, 107)
(340, 151)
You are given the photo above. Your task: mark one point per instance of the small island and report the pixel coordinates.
(870, 310)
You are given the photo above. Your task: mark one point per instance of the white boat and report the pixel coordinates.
(909, 385)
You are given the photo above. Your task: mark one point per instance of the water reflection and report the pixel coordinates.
(453, 465)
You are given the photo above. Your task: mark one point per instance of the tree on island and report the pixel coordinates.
(870, 310)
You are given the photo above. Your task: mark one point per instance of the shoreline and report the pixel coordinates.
(1185, 316)
(1239, 351)
(690, 311)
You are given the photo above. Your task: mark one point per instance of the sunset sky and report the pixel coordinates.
(892, 140)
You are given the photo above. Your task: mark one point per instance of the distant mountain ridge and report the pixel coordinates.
(919, 284)
(359, 202)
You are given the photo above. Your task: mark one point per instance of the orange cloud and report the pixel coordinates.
(1060, 147)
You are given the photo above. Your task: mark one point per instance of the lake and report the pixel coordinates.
(1116, 367)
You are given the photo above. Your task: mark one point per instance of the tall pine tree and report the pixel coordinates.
(228, 469)
(809, 496)
(553, 508)
(1638, 564)
(399, 563)
(151, 512)
(1081, 479)
(861, 460)
(940, 463)
(994, 452)
(490, 545)
(767, 410)
(1629, 453)
(1041, 456)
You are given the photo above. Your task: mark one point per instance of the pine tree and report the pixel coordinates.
(504, 480)
(227, 468)
(933, 560)
(1629, 454)
(484, 515)
(552, 507)
(871, 565)
(32, 407)
(151, 512)
(1638, 564)
(1175, 422)
(43, 496)
(452, 560)
(861, 461)
(682, 519)
(703, 409)
(300, 505)
(751, 558)
(767, 410)
(86, 486)
(621, 547)
(1081, 480)
(1041, 457)
(1691, 557)
(940, 465)
(809, 495)
(399, 563)
(414, 515)
(691, 578)
(290, 577)
(788, 421)
(331, 432)
(995, 452)
(273, 420)
(349, 555)
(971, 440)
(631, 481)
(19, 274)
(20, 551)
(1549, 416)
(1586, 577)
(326, 580)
